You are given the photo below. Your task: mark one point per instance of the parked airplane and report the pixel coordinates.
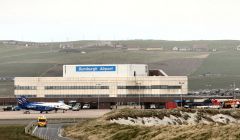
(41, 106)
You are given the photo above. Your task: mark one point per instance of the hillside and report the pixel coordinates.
(205, 124)
(218, 69)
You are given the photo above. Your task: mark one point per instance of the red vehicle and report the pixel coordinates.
(170, 105)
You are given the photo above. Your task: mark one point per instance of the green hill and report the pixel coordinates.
(218, 69)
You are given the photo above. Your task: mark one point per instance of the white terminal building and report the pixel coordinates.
(103, 80)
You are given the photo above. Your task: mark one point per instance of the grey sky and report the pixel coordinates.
(62, 20)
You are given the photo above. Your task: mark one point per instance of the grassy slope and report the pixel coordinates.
(20, 61)
(226, 64)
(109, 131)
(14, 133)
(219, 44)
(34, 61)
(102, 129)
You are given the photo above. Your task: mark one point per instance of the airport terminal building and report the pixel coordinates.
(103, 80)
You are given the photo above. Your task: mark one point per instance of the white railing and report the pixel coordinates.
(29, 129)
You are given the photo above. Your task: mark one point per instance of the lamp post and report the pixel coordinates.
(98, 94)
(233, 88)
(234, 95)
(181, 83)
(236, 89)
(139, 97)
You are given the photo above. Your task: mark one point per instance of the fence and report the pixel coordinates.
(29, 129)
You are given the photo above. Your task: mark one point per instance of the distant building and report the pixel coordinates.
(238, 48)
(154, 49)
(65, 45)
(105, 43)
(200, 48)
(184, 49)
(10, 42)
(133, 49)
(175, 48)
(214, 50)
(118, 46)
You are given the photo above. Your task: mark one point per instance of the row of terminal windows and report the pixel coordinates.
(76, 96)
(28, 96)
(97, 87)
(25, 87)
(148, 95)
(101, 95)
(75, 87)
(150, 87)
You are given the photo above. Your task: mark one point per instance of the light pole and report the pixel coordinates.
(234, 96)
(98, 93)
(139, 98)
(233, 86)
(181, 83)
(236, 89)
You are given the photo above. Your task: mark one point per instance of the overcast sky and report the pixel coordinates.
(65, 20)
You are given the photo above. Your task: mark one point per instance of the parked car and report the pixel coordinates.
(7, 108)
(86, 106)
(72, 103)
(187, 106)
(152, 106)
(16, 108)
(77, 107)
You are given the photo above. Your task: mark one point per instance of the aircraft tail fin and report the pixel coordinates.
(22, 100)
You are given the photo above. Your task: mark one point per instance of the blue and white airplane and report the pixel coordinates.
(23, 103)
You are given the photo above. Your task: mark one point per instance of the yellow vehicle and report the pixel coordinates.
(42, 121)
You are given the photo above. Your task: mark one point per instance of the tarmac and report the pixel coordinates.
(51, 132)
(81, 114)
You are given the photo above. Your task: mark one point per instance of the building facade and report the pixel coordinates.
(124, 80)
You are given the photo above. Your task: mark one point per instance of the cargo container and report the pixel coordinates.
(170, 105)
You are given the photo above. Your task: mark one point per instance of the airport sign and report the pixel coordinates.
(95, 68)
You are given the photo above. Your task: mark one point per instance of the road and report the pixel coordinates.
(52, 131)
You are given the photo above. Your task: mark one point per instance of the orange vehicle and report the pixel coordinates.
(232, 103)
(42, 121)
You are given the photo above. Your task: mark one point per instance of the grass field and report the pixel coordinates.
(219, 44)
(222, 69)
(35, 61)
(8, 132)
(224, 63)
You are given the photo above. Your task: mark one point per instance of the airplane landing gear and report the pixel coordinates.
(26, 112)
(56, 110)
